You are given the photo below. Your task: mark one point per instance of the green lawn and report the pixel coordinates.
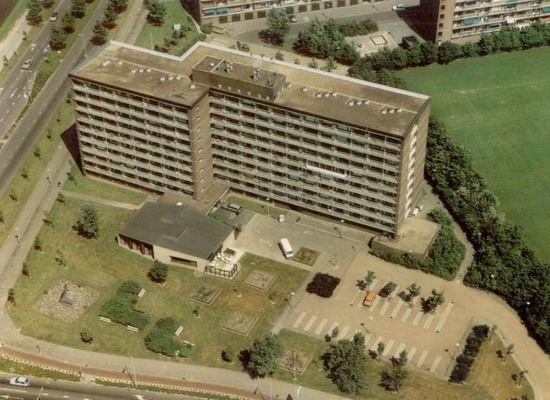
(150, 35)
(256, 206)
(101, 264)
(497, 107)
(102, 189)
(20, 368)
(490, 379)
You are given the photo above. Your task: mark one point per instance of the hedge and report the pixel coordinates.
(323, 285)
(120, 308)
(465, 361)
(500, 246)
(161, 339)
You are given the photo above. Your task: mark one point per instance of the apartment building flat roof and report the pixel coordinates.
(319, 93)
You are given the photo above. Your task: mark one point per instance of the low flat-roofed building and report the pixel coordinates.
(175, 235)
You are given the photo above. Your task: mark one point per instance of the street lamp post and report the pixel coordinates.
(342, 228)
(268, 211)
(290, 301)
(17, 235)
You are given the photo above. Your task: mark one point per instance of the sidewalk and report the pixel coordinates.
(13, 40)
(99, 200)
(133, 23)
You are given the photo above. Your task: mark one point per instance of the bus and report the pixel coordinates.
(284, 244)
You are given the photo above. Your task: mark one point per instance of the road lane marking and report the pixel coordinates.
(406, 315)
(422, 358)
(444, 317)
(353, 300)
(385, 307)
(309, 323)
(299, 320)
(321, 326)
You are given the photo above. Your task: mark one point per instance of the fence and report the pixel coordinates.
(221, 272)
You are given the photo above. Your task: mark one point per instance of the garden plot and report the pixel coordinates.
(259, 279)
(240, 323)
(295, 361)
(306, 256)
(204, 293)
(66, 301)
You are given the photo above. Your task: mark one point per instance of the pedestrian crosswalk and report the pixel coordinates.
(315, 325)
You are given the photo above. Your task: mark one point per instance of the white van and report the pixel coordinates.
(284, 244)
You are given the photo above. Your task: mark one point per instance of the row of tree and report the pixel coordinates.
(504, 263)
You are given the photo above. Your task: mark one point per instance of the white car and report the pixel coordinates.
(20, 381)
(399, 7)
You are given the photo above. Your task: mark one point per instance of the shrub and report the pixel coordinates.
(323, 285)
(465, 361)
(158, 272)
(120, 307)
(86, 337)
(206, 29)
(161, 339)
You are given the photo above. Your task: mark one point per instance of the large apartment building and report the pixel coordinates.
(319, 142)
(213, 11)
(465, 20)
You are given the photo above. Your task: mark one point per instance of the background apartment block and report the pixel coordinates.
(465, 20)
(207, 11)
(318, 142)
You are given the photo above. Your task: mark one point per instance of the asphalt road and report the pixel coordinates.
(31, 126)
(46, 389)
(15, 89)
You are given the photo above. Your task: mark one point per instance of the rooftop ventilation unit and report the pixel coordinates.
(288, 85)
(384, 111)
(392, 110)
(318, 94)
(399, 110)
(148, 70)
(141, 70)
(119, 62)
(133, 71)
(162, 78)
(191, 86)
(366, 101)
(255, 74)
(105, 63)
(334, 94)
(327, 94)
(359, 102)
(351, 103)
(170, 77)
(178, 78)
(304, 89)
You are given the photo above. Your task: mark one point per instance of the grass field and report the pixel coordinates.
(490, 379)
(497, 107)
(102, 265)
(175, 14)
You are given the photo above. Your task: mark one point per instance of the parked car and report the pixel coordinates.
(399, 7)
(26, 64)
(369, 299)
(232, 207)
(387, 289)
(293, 18)
(54, 16)
(20, 381)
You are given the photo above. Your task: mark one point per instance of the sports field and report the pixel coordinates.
(498, 108)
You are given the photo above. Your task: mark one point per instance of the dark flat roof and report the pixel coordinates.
(177, 228)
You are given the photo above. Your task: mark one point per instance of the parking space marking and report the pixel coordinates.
(411, 353)
(367, 339)
(396, 309)
(374, 303)
(373, 284)
(334, 325)
(309, 323)
(428, 322)
(406, 315)
(321, 326)
(400, 349)
(388, 347)
(422, 358)
(385, 307)
(435, 364)
(417, 318)
(343, 333)
(299, 320)
(375, 344)
(444, 317)
(352, 302)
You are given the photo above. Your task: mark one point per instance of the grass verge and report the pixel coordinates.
(256, 206)
(21, 368)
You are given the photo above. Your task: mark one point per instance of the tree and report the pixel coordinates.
(521, 375)
(87, 223)
(330, 65)
(11, 295)
(334, 333)
(58, 39)
(448, 51)
(34, 12)
(393, 381)
(428, 50)
(399, 58)
(380, 350)
(67, 24)
(434, 301)
(414, 291)
(369, 279)
(278, 25)
(228, 354)
(358, 339)
(2, 218)
(403, 359)
(37, 244)
(86, 336)
(492, 332)
(5, 61)
(121, 5)
(158, 272)
(37, 152)
(99, 34)
(279, 56)
(78, 8)
(508, 352)
(197, 312)
(71, 177)
(156, 13)
(110, 16)
(47, 3)
(264, 355)
(25, 173)
(313, 63)
(25, 270)
(346, 364)
(61, 198)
